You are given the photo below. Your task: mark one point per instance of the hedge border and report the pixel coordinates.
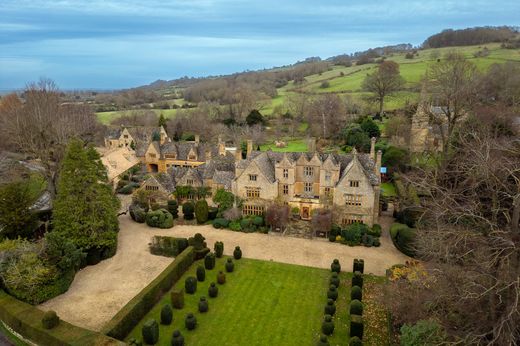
(127, 318)
(26, 320)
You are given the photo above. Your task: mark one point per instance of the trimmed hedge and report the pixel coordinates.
(203, 305)
(230, 266)
(221, 278)
(201, 274)
(356, 293)
(332, 293)
(212, 290)
(137, 213)
(26, 320)
(357, 279)
(190, 285)
(177, 297)
(334, 279)
(359, 266)
(403, 238)
(159, 218)
(356, 326)
(330, 307)
(220, 223)
(209, 261)
(356, 307)
(166, 314)
(177, 338)
(50, 319)
(237, 253)
(168, 246)
(150, 331)
(327, 326)
(323, 341)
(188, 210)
(355, 341)
(219, 249)
(190, 321)
(201, 211)
(335, 266)
(173, 208)
(212, 213)
(128, 317)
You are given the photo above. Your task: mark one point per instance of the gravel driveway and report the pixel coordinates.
(99, 292)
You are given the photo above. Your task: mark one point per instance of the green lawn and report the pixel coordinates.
(261, 303)
(295, 145)
(388, 190)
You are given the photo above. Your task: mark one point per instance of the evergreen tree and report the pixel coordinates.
(85, 209)
(162, 121)
(254, 117)
(15, 217)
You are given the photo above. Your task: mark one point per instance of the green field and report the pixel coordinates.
(106, 117)
(295, 145)
(261, 303)
(388, 190)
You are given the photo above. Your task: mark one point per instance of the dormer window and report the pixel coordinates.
(286, 173)
(252, 177)
(308, 171)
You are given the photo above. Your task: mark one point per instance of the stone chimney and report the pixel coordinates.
(221, 147)
(373, 148)
(238, 154)
(208, 154)
(378, 163)
(197, 139)
(311, 144)
(249, 147)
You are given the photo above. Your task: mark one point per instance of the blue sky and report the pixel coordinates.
(115, 44)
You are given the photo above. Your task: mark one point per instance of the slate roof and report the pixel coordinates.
(166, 180)
(138, 133)
(182, 149)
(266, 162)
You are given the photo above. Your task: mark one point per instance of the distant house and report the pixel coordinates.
(132, 136)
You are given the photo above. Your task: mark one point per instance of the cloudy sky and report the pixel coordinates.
(114, 44)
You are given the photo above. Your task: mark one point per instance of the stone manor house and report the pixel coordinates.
(304, 180)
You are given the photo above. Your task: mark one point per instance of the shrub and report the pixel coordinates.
(177, 338)
(233, 214)
(335, 266)
(50, 319)
(377, 243)
(212, 213)
(137, 213)
(356, 326)
(209, 261)
(190, 285)
(160, 218)
(188, 210)
(219, 249)
(230, 266)
(332, 293)
(199, 243)
(190, 321)
(356, 307)
(150, 332)
(424, 332)
(173, 208)
(235, 226)
(126, 190)
(323, 341)
(166, 314)
(201, 274)
(367, 240)
(327, 326)
(375, 231)
(201, 211)
(330, 307)
(221, 278)
(177, 298)
(357, 279)
(334, 279)
(359, 265)
(404, 240)
(258, 221)
(212, 290)
(203, 305)
(220, 223)
(246, 225)
(237, 253)
(355, 341)
(168, 246)
(356, 293)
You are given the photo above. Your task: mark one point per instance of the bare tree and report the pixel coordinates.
(277, 215)
(384, 82)
(327, 115)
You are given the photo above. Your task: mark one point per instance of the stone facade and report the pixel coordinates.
(423, 135)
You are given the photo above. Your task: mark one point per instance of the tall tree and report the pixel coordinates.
(16, 218)
(162, 121)
(384, 82)
(85, 209)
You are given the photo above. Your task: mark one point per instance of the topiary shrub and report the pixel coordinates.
(359, 265)
(50, 319)
(166, 314)
(219, 249)
(357, 279)
(237, 253)
(212, 213)
(209, 261)
(258, 221)
(137, 213)
(367, 240)
(199, 243)
(190, 321)
(173, 208)
(356, 307)
(188, 210)
(356, 326)
(213, 290)
(246, 225)
(334, 279)
(356, 293)
(177, 338)
(327, 326)
(323, 341)
(150, 332)
(375, 231)
(230, 266)
(332, 293)
(201, 274)
(160, 218)
(355, 341)
(190, 285)
(221, 278)
(201, 211)
(203, 305)
(335, 266)
(220, 223)
(177, 299)
(330, 307)
(377, 242)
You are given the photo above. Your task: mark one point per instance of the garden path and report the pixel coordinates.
(99, 292)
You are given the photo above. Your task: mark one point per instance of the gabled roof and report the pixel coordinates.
(182, 149)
